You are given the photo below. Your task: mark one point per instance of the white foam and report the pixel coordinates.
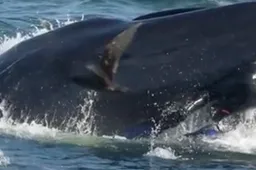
(25, 130)
(115, 137)
(38, 132)
(241, 139)
(4, 161)
(165, 153)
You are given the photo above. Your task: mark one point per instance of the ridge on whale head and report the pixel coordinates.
(137, 68)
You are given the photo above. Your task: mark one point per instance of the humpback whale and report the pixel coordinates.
(155, 69)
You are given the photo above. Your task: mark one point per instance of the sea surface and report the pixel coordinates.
(34, 147)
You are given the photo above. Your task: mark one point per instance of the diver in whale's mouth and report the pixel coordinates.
(221, 106)
(221, 109)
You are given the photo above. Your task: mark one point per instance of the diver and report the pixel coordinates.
(220, 109)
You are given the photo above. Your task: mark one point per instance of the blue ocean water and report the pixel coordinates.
(32, 146)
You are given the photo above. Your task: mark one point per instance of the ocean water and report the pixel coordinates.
(32, 146)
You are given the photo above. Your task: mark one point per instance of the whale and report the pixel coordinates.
(124, 77)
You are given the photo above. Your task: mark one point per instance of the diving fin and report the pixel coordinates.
(111, 56)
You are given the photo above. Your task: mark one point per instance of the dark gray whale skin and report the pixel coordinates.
(172, 58)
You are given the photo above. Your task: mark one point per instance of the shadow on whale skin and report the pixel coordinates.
(137, 68)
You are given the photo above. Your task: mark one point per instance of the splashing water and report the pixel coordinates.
(242, 138)
(6, 42)
(4, 161)
(165, 153)
(34, 130)
(85, 125)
